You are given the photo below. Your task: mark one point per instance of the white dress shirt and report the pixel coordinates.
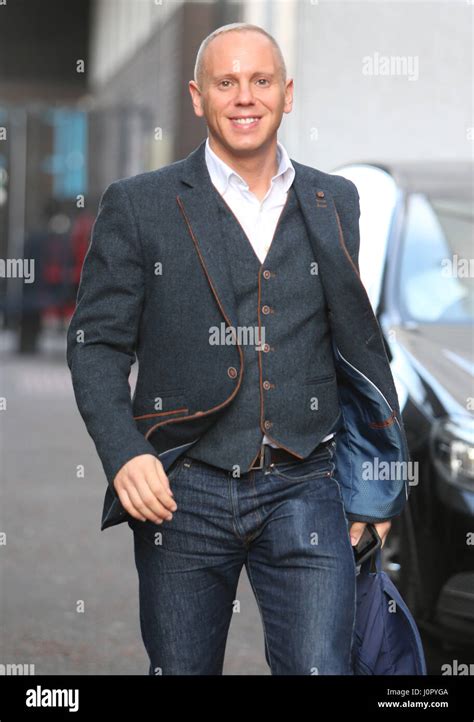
(257, 218)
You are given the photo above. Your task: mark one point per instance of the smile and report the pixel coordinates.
(249, 122)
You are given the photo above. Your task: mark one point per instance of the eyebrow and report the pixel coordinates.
(234, 75)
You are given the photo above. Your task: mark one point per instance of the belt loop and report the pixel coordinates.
(261, 457)
(267, 455)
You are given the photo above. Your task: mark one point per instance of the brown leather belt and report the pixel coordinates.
(271, 455)
(275, 455)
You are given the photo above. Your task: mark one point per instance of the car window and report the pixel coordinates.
(435, 279)
(378, 197)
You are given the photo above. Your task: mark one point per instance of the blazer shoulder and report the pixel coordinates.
(164, 177)
(335, 184)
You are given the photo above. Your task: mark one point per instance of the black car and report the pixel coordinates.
(416, 261)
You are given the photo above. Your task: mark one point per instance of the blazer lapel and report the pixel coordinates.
(197, 204)
(317, 206)
(341, 282)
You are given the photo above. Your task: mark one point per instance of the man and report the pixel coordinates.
(227, 453)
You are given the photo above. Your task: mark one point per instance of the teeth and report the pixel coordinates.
(245, 121)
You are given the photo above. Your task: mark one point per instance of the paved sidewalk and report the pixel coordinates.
(69, 592)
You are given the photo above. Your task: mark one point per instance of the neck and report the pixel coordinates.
(257, 168)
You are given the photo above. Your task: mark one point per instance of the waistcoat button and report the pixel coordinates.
(232, 372)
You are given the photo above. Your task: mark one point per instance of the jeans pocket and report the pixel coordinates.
(175, 468)
(318, 466)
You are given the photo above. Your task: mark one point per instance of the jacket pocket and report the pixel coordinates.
(163, 404)
(320, 378)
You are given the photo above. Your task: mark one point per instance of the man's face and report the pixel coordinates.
(242, 80)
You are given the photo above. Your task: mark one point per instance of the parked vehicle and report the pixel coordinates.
(416, 261)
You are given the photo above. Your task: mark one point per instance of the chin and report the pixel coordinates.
(246, 144)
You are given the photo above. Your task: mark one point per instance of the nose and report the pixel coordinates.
(244, 95)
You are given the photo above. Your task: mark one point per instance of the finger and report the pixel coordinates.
(128, 506)
(356, 531)
(161, 496)
(157, 500)
(159, 486)
(382, 530)
(155, 513)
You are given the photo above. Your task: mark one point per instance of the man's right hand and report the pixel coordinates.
(144, 490)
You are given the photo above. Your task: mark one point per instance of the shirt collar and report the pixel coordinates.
(221, 173)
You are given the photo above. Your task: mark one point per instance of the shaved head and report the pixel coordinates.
(241, 89)
(200, 65)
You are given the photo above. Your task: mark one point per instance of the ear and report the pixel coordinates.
(289, 87)
(196, 98)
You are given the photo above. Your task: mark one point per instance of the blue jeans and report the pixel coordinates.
(288, 526)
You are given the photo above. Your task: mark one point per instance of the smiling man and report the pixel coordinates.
(252, 452)
(240, 87)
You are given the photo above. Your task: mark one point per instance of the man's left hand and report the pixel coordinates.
(358, 527)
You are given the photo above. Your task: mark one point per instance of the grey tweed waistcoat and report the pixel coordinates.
(289, 388)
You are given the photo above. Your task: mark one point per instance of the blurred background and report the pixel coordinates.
(96, 90)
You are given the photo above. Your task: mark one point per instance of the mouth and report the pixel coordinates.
(245, 123)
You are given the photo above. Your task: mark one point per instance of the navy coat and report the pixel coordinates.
(128, 308)
(386, 638)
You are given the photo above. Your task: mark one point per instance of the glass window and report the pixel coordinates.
(436, 281)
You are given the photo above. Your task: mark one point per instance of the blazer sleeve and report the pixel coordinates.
(349, 213)
(103, 332)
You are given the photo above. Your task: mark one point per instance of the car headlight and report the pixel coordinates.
(452, 449)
